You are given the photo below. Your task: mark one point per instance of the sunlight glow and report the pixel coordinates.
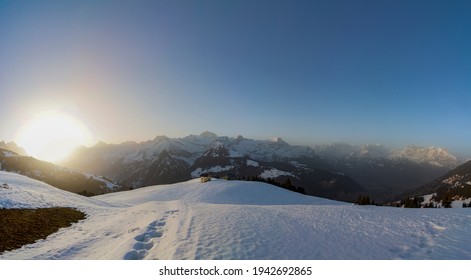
(53, 135)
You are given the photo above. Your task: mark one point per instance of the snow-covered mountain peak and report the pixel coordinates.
(208, 134)
(217, 149)
(216, 144)
(278, 140)
(160, 143)
(433, 155)
(239, 138)
(161, 138)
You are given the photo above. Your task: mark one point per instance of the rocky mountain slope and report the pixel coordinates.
(60, 177)
(453, 188)
(11, 146)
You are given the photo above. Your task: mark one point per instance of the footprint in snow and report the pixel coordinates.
(144, 245)
(145, 241)
(148, 235)
(135, 255)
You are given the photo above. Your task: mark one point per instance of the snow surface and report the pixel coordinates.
(273, 173)
(459, 203)
(428, 198)
(297, 164)
(108, 184)
(235, 220)
(252, 163)
(215, 169)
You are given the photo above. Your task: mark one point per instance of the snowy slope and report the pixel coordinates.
(24, 192)
(236, 220)
(217, 192)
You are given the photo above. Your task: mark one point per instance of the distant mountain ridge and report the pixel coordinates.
(437, 156)
(166, 160)
(387, 173)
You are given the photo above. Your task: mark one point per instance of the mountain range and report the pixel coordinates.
(336, 171)
(387, 173)
(165, 160)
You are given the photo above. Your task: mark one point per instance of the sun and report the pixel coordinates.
(52, 136)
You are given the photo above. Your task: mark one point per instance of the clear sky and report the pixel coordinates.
(381, 71)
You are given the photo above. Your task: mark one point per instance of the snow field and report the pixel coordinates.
(235, 220)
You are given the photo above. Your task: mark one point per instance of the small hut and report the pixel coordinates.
(205, 178)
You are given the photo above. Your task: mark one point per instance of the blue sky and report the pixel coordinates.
(391, 72)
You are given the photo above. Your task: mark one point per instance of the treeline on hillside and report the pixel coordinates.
(418, 202)
(435, 202)
(443, 197)
(365, 200)
(286, 184)
(362, 199)
(453, 193)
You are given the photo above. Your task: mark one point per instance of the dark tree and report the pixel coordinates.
(363, 200)
(411, 203)
(447, 202)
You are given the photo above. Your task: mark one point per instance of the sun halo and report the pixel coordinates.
(52, 136)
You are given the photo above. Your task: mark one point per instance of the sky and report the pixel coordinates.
(312, 72)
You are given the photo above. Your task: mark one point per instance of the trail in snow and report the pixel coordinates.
(146, 241)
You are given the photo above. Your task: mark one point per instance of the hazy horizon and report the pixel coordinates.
(288, 140)
(311, 72)
(312, 144)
